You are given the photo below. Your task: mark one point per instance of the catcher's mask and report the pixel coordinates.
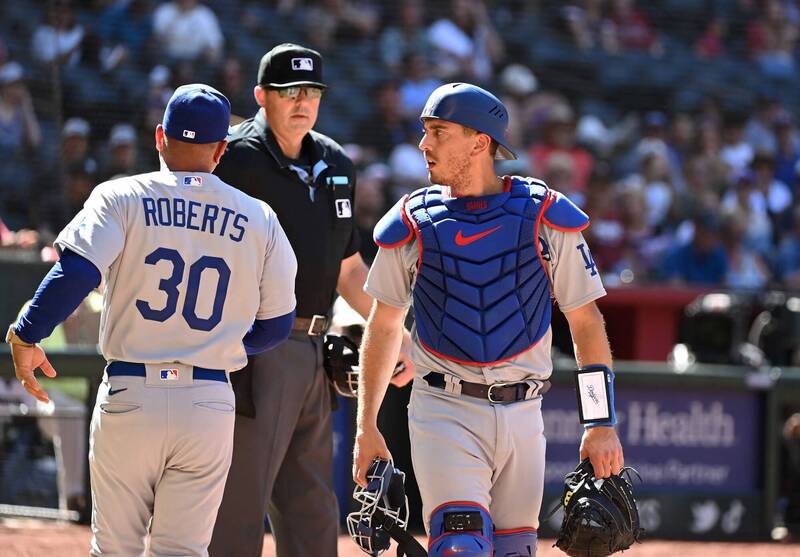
(384, 512)
(341, 364)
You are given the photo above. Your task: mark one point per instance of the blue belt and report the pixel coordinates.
(138, 370)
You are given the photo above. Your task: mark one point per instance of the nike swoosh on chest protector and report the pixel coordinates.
(462, 240)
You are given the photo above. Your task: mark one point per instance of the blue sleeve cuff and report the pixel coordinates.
(60, 293)
(268, 333)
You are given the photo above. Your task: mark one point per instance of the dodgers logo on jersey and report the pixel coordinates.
(590, 265)
(169, 374)
(192, 180)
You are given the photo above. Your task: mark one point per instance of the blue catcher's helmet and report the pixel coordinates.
(473, 107)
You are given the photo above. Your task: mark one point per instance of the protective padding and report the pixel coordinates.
(520, 542)
(563, 214)
(482, 295)
(393, 230)
(449, 533)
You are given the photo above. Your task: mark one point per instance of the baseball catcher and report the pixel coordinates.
(600, 516)
(383, 515)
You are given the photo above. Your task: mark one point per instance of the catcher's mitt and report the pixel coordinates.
(600, 516)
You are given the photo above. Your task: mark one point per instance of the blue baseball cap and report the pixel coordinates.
(197, 113)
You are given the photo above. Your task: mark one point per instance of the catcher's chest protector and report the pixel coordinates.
(482, 295)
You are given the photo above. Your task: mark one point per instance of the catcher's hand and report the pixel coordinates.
(600, 515)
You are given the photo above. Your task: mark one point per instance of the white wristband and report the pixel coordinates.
(595, 389)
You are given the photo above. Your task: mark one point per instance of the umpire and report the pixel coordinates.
(283, 441)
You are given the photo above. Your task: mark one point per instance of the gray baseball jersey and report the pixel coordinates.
(465, 449)
(188, 261)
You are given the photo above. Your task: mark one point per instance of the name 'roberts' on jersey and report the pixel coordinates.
(194, 215)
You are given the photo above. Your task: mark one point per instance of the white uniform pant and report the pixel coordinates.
(466, 449)
(159, 452)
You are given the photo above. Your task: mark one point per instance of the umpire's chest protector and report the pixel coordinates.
(482, 294)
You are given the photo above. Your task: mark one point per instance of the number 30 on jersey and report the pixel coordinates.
(170, 287)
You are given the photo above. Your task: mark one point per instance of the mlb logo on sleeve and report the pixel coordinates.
(343, 209)
(169, 374)
(192, 180)
(306, 64)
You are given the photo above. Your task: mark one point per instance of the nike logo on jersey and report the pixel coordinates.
(462, 240)
(112, 392)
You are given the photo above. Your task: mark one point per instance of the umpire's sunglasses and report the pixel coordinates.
(294, 92)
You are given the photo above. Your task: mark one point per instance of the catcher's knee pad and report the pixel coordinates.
(460, 528)
(520, 542)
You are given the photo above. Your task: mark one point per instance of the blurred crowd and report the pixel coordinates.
(673, 123)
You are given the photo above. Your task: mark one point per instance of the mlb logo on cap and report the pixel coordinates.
(306, 64)
(290, 65)
(197, 113)
(169, 374)
(192, 180)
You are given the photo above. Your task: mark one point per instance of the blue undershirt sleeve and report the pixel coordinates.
(268, 333)
(60, 293)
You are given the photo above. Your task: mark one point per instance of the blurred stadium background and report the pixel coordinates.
(673, 123)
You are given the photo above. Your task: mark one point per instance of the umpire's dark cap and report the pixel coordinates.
(288, 65)
(197, 113)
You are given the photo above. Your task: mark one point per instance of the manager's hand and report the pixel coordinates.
(27, 359)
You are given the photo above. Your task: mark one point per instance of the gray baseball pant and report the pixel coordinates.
(158, 450)
(282, 460)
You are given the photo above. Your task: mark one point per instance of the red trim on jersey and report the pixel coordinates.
(506, 183)
(464, 503)
(405, 240)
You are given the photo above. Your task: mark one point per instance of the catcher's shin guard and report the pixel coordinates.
(460, 528)
(520, 542)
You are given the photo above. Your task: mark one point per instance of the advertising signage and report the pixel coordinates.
(678, 440)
